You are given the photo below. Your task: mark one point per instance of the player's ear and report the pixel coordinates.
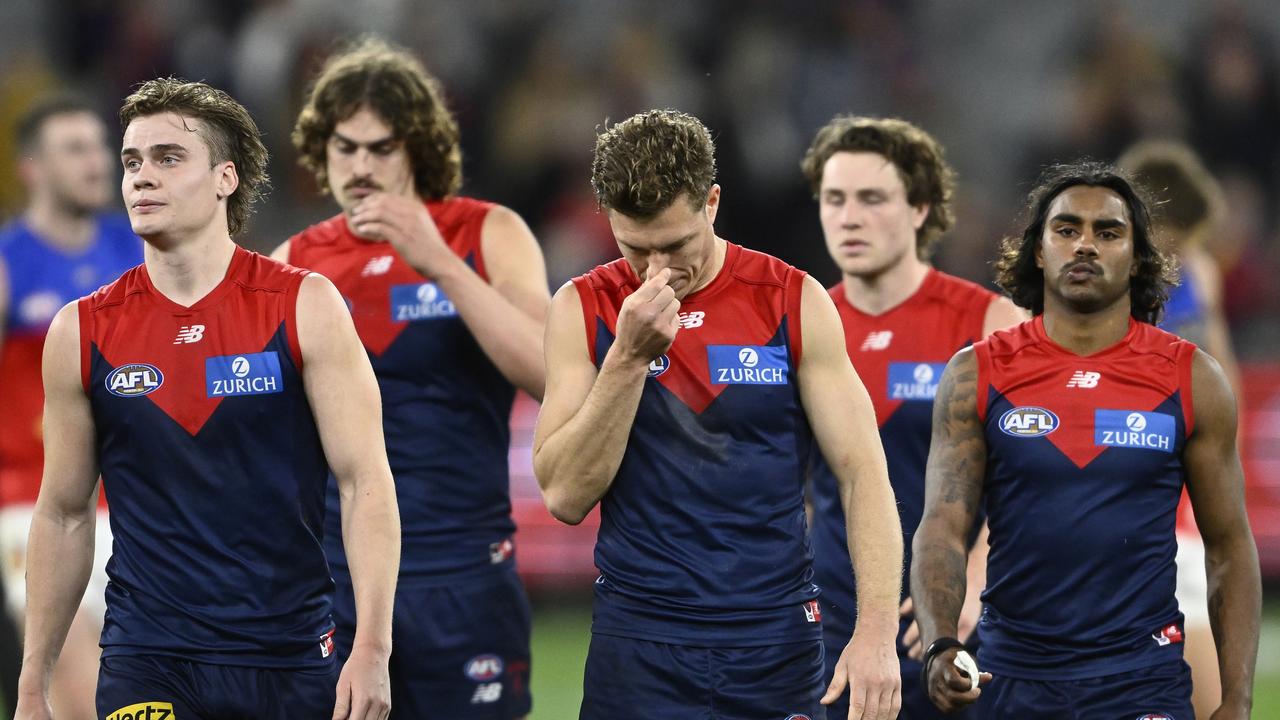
(713, 203)
(228, 179)
(919, 213)
(1039, 256)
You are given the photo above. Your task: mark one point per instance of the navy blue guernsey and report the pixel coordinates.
(445, 407)
(899, 355)
(213, 466)
(1083, 475)
(702, 535)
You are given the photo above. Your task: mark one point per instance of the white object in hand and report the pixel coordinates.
(965, 662)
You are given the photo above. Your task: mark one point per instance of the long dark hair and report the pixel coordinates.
(1016, 269)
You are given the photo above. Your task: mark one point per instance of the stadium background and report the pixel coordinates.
(1006, 86)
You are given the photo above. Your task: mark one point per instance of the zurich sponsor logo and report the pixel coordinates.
(914, 380)
(483, 668)
(1028, 422)
(747, 364)
(420, 301)
(250, 374)
(1134, 429)
(134, 380)
(659, 365)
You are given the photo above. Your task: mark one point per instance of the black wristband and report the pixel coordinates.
(935, 647)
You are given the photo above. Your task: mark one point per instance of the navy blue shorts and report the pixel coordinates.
(627, 678)
(1160, 692)
(155, 687)
(458, 650)
(916, 704)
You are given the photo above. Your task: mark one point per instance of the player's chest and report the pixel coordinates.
(1082, 410)
(900, 359)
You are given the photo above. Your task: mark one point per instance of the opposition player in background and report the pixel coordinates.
(686, 381)
(212, 388)
(1078, 430)
(884, 199)
(449, 296)
(64, 245)
(1188, 206)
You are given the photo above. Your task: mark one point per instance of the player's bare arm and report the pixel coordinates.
(344, 398)
(953, 489)
(1215, 482)
(586, 416)
(60, 551)
(843, 421)
(507, 316)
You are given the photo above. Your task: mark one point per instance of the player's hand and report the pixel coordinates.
(647, 320)
(33, 707)
(870, 669)
(970, 614)
(405, 223)
(948, 688)
(364, 687)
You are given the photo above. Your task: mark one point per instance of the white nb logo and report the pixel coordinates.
(189, 334)
(690, 320)
(1082, 379)
(877, 340)
(377, 266)
(486, 693)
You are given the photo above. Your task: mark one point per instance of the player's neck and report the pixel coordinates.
(1085, 333)
(185, 272)
(58, 227)
(877, 294)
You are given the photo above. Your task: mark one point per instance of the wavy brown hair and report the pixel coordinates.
(228, 131)
(1016, 269)
(645, 162)
(385, 78)
(918, 158)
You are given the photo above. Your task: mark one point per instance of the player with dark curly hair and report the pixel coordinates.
(685, 383)
(1077, 430)
(449, 295)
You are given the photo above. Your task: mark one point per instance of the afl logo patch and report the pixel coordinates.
(1028, 422)
(134, 380)
(659, 365)
(483, 668)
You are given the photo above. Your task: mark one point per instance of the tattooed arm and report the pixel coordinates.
(953, 488)
(1215, 482)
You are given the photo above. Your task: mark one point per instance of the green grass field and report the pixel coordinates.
(561, 632)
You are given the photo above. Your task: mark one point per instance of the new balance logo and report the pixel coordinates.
(690, 320)
(877, 340)
(1082, 379)
(377, 266)
(189, 334)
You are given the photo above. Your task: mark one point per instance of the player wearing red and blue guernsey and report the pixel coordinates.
(212, 389)
(1078, 430)
(685, 384)
(884, 194)
(449, 296)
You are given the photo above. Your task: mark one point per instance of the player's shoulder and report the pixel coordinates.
(1010, 340)
(459, 210)
(609, 277)
(758, 268)
(326, 232)
(115, 293)
(11, 234)
(260, 272)
(1148, 339)
(959, 291)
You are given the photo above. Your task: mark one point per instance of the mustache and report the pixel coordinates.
(1082, 265)
(361, 183)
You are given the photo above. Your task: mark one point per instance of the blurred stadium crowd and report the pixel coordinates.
(1006, 86)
